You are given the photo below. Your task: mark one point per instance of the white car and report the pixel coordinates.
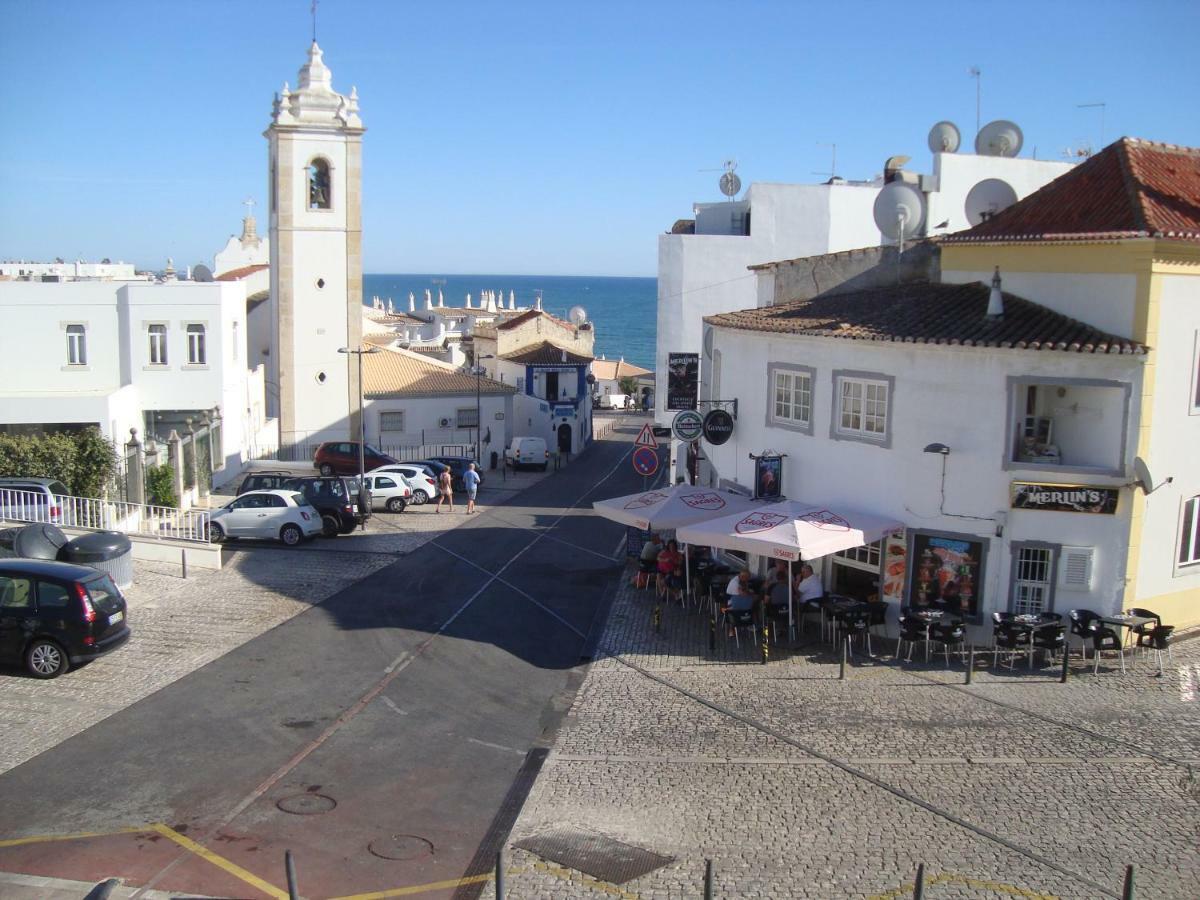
(389, 490)
(424, 488)
(286, 516)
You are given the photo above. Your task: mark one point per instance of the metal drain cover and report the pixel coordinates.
(401, 847)
(306, 804)
(594, 854)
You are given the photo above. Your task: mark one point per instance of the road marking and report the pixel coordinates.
(394, 707)
(418, 888)
(1189, 682)
(220, 862)
(906, 890)
(396, 662)
(45, 838)
(496, 746)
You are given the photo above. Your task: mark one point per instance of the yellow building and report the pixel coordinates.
(1115, 243)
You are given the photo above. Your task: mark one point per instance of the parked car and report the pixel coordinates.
(56, 615)
(284, 515)
(33, 500)
(458, 465)
(336, 500)
(420, 479)
(528, 451)
(264, 481)
(341, 458)
(389, 490)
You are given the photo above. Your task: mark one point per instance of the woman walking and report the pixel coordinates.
(445, 490)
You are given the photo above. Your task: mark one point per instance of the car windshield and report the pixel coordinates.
(352, 483)
(300, 500)
(57, 487)
(105, 596)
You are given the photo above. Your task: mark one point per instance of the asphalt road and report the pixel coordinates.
(399, 723)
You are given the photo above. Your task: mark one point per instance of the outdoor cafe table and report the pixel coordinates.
(1129, 622)
(929, 617)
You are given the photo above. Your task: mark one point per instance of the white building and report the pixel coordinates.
(702, 263)
(65, 271)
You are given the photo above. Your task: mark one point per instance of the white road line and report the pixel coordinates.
(1189, 682)
(388, 702)
(399, 660)
(495, 746)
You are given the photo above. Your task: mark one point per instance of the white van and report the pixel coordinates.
(528, 451)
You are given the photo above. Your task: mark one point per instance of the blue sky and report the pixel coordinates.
(537, 138)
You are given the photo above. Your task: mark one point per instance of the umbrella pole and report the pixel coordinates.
(791, 625)
(687, 574)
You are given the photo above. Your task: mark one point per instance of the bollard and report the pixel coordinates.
(708, 879)
(842, 668)
(919, 886)
(500, 890)
(290, 869)
(1127, 888)
(1062, 679)
(657, 617)
(712, 633)
(766, 642)
(970, 661)
(183, 560)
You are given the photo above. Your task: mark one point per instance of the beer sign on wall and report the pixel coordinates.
(1079, 498)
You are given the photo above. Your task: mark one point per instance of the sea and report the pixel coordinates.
(623, 310)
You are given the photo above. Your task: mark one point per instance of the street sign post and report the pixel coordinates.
(646, 437)
(645, 462)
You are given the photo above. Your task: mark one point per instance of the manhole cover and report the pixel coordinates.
(306, 804)
(401, 847)
(594, 854)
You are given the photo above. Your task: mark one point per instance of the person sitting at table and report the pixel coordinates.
(647, 560)
(809, 587)
(777, 590)
(668, 559)
(675, 582)
(738, 595)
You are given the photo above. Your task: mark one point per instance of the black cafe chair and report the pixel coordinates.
(1158, 639)
(1007, 636)
(855, 623)
(948, 634)
(1083, 623)
(1105, 638)
(1050, 639)
(778, 618)
(1140, 630)
(912, 630)
(739, 619)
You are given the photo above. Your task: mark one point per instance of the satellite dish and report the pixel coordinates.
(577, 315)
(944, 138)
(999, 138)
(899, 210)
(1145, 480)
(987, 198)
(201, 272)
(708, 343)
(730, 185)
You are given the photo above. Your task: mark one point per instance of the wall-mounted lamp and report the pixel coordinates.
(937, 448)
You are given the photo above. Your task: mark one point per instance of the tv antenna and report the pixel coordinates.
(975, 73)
(1103, 109)
(314, 18)
(832, 162)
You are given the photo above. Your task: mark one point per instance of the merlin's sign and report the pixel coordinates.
(1080, 498)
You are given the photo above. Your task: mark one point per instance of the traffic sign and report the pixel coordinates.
(687, 425)
(646, 438)
(645, 461)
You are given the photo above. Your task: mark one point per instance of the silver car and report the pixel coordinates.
(285, 516)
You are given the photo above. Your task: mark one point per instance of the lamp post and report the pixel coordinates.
(478, 410)
(363, 497)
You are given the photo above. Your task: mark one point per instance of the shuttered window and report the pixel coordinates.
(1075, 568)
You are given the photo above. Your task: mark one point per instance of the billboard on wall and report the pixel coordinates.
(683, 380)
(947, 571)
(768, 477)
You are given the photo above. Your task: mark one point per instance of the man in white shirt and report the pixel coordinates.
(739, 597)
(810, 587)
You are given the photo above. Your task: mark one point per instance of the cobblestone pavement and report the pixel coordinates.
(801, 785)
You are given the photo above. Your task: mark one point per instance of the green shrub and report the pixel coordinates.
(84, 462)
(160, 486)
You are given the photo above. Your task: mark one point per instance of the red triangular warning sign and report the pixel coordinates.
(646, 437)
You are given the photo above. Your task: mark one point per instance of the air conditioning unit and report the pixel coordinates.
(444, 423)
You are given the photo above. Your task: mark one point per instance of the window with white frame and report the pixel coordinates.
(1032, 573)
(1196, 376)
(867, 555)
(391, 421)
(197, 355)
(76, 345)
(1189, 533)
(157, 335)
(468, 417)
(861, 407)
(791, 397)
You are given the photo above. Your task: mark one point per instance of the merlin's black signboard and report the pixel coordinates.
(1080, 498)
(683, 378)
(718, 427)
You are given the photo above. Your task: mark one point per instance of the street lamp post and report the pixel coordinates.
(363, 497)
(478, 409)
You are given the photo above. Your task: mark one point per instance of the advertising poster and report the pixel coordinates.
(768, 477)
(947, 572)
(683, 379)
(895, 566)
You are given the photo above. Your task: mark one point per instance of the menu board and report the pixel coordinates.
(894, 567)
(946, 571)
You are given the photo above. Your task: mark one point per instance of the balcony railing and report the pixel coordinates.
(160, 522)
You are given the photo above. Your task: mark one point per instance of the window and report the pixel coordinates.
(1062, 424)
(15, 593)
(52, 596)
(197, 356)
(318, 185)
(1032, 577)
(867, 554)
(382, 482)
(791, 397)
(467, 418)
(391, 421)
(158, 344)
(861, 407)
(76, 345)
(1189, 533)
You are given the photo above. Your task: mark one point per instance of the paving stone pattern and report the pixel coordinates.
(801, 785)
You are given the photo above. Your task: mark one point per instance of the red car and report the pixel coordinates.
(341, 458)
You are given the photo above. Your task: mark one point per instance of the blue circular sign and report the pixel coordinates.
(645, 461)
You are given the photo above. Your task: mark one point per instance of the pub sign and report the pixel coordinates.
(1079, 498)
(683, 379)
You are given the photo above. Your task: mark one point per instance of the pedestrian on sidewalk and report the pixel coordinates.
(471, 483)
(445, 490)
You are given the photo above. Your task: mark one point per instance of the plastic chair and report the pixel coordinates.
(777, 616)
(912, 629)
(1105, 638)
(1050, 639)
(1157, 639)
(1139, 630)
(1083, 623)
(1007, 636)
(855, 623)
(947, 633)
(737, 619)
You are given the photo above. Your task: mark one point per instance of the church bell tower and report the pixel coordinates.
(315, 203)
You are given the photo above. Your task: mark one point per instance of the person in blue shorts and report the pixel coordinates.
(471, 483)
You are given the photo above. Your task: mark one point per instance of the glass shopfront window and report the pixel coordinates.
(946, 570)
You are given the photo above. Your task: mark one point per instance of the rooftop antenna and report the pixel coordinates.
(975, 73)
(1103, 108)
(249, 204)
(314, 18)
(833, 162)
(729, 183)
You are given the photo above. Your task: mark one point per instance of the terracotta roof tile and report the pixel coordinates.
(545, 354)
(928, 313)
(239, 274)
(395, 373)
(1132, 188)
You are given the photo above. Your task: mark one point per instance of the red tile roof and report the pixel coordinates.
(546, 354)
(929, 313)
(1132, 188)
(239, 274)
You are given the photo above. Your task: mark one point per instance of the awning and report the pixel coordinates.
(673, 507)
(790, 530)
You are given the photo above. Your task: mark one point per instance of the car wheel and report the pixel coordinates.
(330, 526)
(46, 659)
(216, 534)
(396, 505)
(290, 534)
(326, 469)
(420, 498)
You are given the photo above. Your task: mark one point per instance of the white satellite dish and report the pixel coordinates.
(944, 138)
(577, 315)
(708, 342)
(987, 198)
(899, 210)
(201, 272)
(1145, 480)
(999, 138)
(730, 185)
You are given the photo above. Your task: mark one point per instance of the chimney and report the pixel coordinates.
(995, 307)
(537, 304)
(412, 302)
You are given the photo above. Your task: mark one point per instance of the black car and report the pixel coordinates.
(264, 481)
(335, 498)
(457, 466)
(55, 615)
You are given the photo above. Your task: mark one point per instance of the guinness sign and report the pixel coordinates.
(718, 427)
(1080, 498)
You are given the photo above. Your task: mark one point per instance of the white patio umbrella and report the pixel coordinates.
(790, 530)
